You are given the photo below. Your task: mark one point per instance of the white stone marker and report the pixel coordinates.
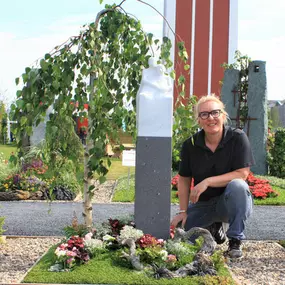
(153, 151)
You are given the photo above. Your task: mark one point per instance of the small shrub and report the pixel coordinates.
(276, 159)
(2, 220)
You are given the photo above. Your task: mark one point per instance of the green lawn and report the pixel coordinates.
(117, 170)
(105, 270)
(7, 149)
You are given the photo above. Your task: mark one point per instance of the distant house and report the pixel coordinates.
(277, 113)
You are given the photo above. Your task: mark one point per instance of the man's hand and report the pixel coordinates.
(182, 217)
(197, 190)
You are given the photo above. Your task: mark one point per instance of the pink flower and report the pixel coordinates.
(171, 258)
(88, 236)
(71, 253)
(69, 260)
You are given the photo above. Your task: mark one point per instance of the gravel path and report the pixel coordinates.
(17, 255)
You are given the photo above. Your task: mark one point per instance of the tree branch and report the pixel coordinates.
(163, 19)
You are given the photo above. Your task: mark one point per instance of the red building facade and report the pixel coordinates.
(209, 30)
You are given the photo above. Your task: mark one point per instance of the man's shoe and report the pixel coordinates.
(234, 250)
(218, 233)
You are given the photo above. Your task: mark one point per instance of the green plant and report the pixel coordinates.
(274, 181)
(61, 139)
(2, 220)
(276, 159)
(184, 126)
(241, 63)
(3, 123)
(6, 168)
(282, 242)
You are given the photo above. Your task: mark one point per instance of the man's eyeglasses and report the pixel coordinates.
(213, 113)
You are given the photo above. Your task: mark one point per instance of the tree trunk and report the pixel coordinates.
(87, 195)
(87, 171)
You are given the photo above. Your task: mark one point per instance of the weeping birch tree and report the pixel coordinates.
(102, 66)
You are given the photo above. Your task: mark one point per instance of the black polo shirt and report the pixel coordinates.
(198, 161)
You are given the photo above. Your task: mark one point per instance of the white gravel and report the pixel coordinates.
(263, 261)
(17, 255)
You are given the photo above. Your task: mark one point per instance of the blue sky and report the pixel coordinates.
(29, 29)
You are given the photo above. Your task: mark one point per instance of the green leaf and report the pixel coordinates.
(101, 1)
(44, 64)
(19, 93)
(186, 66)
(17, 80)
(20, 104)
(29, 107)
(181, 80)
(91, 187)
(102, 179)
(29, 130)
(47, 56)
(23, 120)
(54, 129)
(55, 85)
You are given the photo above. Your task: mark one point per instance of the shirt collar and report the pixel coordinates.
(227, 135)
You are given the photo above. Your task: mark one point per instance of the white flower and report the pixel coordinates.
(94, 243)
(163, 254)
(130, 232)
(108, 238)
(59, 252)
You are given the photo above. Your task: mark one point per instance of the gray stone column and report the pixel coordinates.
(257, 109)
(153, 152)
(39, 131)
(231, 81)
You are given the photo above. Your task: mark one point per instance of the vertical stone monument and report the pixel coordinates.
(153, 151)
(257, 109)
(256, 125)
(39, 131)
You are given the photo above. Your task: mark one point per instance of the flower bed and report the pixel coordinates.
(129, 252)
(260, 188)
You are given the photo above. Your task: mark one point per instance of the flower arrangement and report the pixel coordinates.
(70, 253)
(129, 247)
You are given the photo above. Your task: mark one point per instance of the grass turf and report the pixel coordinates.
(7, 150)
(103, 270)
(117, 170)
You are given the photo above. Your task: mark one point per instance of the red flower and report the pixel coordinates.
(174, 182)
(260, 188)
(148, 240)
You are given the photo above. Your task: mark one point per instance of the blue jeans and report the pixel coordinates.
(234, 206)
